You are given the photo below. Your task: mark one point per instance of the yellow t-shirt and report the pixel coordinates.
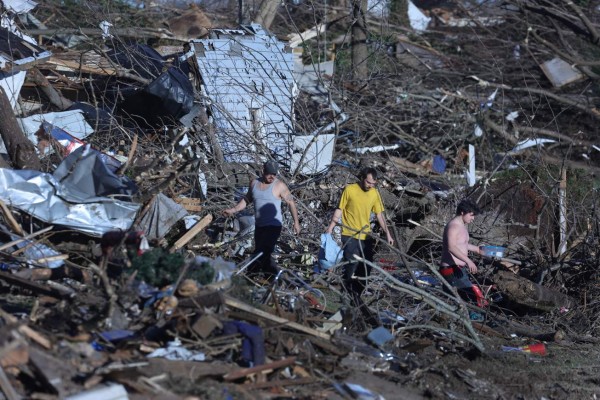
(357, 206)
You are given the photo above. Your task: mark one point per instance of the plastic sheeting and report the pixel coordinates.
(170, 93)
(330, 253)
(161, 216)
(69, 197)
(84, 163)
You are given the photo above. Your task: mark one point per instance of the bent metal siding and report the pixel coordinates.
(247, 79)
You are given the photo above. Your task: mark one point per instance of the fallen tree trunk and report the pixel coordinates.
(20, 150)
(527, 293)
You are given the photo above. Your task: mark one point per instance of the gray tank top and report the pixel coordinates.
(267, 207)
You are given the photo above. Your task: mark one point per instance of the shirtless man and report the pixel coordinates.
(267, 192)
(455, 250)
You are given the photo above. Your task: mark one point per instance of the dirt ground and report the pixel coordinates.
(567, 371)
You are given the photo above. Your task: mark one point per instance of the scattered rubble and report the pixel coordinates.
(121, 278)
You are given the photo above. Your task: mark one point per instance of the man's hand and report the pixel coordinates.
(296, 228)
(390, 240)
(472, 267)
(229, 212)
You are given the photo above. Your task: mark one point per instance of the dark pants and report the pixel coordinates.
(364, 249)
(265, 239)
(355, 287)
(458, 277)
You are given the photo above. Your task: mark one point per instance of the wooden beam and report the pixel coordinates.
(26, 330)
(17, 241)
(7, 388)
(230, 301)
(189, 235)
(35, 287)
(240, 373)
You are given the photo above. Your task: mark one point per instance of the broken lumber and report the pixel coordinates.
(240, 373)
(230, 301)
(12, 243)
(27, 330)
(189, 235)
(8, 390)
(37, 288)
(190, 204)
(14, 225)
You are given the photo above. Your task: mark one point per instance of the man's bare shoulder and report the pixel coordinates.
(454, 224)
(280, 187)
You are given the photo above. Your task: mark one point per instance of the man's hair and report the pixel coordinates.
(362, 175)
(467, 206)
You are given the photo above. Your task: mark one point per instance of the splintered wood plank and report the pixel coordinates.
(7, 388)
(189, 235)
(230, 301)
(51, 370)
(259, 368)
(190, 204)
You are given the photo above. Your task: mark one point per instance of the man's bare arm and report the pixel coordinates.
(474, 249)
(337, 214)
(457, 250)
(383, 224)
(241, 205)
(286, 195)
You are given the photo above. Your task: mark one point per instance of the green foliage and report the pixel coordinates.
(158, 267)
(580, 183)
(203, 273)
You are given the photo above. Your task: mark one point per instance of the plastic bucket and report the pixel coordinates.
(492, 251)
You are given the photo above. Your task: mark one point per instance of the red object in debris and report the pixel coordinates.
(113, 238)
(481, 301)
(538, 348)
(314, 303)
(387, 265)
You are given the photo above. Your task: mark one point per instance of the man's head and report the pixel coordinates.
(468, 209)
(368, 178)
(270, 171)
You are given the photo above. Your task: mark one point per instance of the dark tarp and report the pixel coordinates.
(84, 174)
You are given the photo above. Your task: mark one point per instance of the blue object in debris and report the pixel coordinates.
(330, 252)
(253, 344)
(380, 336)
(116, 335)
(439, 164)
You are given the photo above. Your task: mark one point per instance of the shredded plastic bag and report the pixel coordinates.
(329, 253)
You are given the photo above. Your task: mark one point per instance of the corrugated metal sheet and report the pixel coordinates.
(247, 76)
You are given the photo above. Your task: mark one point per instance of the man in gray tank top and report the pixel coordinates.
(267, 192)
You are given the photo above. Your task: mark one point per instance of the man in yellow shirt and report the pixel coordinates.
(359, 200)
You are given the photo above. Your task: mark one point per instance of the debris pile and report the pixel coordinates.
(121, 277)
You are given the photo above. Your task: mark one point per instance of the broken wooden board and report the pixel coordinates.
(7, 388)
(34, 287)
(230, 301)
(189, 235)
(243, 372)
(54, 373)
(190, 204)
